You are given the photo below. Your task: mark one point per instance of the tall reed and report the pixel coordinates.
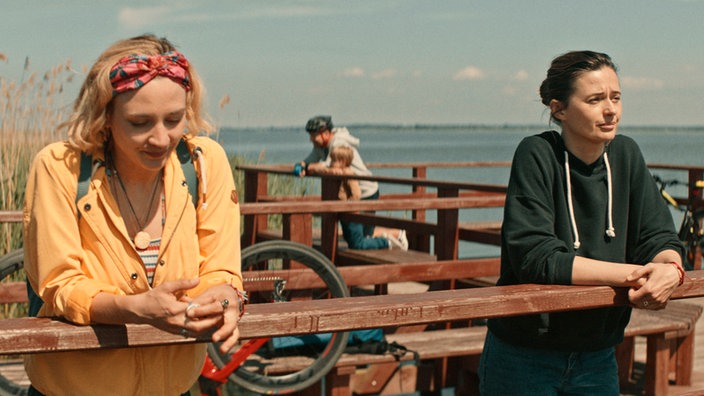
(30, 110)
(278, 185)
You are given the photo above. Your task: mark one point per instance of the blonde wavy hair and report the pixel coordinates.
(87, 125)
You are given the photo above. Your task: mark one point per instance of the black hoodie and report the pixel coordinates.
(538, 240)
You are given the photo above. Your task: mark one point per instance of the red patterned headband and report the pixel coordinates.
(134, 71)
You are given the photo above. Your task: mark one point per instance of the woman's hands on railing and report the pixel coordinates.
(223, 304)
(657, 283)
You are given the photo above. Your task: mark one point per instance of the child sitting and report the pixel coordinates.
(354, 233)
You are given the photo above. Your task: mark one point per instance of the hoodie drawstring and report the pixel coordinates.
(610, 231)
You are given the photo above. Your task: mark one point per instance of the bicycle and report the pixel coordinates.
(690, 232)
(270, 276)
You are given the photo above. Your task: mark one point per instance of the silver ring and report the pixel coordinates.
(184, 333)
(225, 303)
(645, 303)
(191, 306)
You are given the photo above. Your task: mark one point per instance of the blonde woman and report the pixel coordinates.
(134, 248)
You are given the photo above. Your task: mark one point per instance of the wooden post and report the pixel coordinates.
(419, 242)
(328, 221)
(255, 185)
(298, 228)
(447, 236)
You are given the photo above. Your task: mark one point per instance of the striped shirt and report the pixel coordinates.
(149, 258)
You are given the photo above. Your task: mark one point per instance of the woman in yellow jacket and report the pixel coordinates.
(134, 248)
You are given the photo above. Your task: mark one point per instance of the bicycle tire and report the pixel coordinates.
(11, 263)
(690, 234)
(252, 374)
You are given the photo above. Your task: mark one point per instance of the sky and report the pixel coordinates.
(381, 62)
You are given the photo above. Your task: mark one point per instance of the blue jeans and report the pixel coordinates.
(359, 236)
(506, 369)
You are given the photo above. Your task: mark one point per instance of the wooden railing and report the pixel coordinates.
(447, 200)
(37, 335)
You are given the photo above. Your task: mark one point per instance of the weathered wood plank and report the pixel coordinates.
(32, 335)
(492, 200)
(304, 278)
(10, 216)
(13, 292)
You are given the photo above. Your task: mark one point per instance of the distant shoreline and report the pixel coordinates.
(479, 127)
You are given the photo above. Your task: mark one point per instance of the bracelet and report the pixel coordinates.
(241, 299)
(680, 271)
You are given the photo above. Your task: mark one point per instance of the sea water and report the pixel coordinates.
(436, 143)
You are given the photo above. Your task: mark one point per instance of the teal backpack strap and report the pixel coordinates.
(189, 170)
(184, 157)
(84, 175)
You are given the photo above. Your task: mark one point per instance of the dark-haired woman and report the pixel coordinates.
(581, 209)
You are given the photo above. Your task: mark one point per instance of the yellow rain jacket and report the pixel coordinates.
(75, 250)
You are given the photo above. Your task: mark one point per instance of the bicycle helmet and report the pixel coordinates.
(318, 123)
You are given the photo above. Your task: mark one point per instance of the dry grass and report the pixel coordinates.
(30, 110)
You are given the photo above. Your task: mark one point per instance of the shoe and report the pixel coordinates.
(398, 243)
(403, 239)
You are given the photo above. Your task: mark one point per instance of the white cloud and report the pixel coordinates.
(383, 74)
(641, 83)
(509, 90)
(138, 17)
(281, 12)
(469, 73)
(353, 72)
(520, 75)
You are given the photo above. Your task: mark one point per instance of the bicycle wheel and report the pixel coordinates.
(691, 236)
(287, 364)
(18, 385)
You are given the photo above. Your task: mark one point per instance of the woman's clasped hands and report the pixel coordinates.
(655, 283)
(218, 308)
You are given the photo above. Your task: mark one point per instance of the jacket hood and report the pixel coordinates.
(342, 135)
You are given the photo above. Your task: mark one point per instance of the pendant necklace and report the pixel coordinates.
(142, 239)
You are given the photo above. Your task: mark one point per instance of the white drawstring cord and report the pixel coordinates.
(610, 231)
(569, 201)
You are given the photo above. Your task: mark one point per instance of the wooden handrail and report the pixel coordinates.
(466, 164)
(36, 335)
(10, 216)
(317, 207)
(411, 181)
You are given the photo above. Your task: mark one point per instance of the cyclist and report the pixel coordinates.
(325, 138)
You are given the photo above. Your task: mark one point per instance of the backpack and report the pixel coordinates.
(369, 341)
(84, 176)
